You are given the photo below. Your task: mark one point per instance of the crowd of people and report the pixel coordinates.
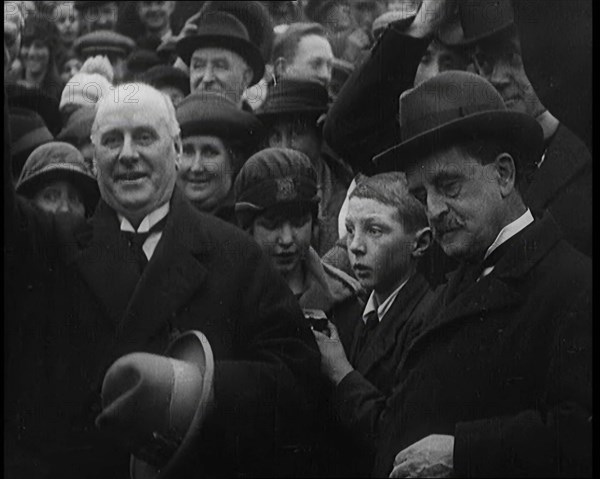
(292, 238)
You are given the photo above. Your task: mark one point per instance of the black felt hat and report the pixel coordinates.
(211, 113)
(220, 29)
(35, 99)
(455, 106)
(28, 131)
(289, 96)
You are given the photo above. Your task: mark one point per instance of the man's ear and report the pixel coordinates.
(279, 67)
(422, 241)
(507, 173)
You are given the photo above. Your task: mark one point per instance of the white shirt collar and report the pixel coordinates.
(384, 307)
(148, 222)
(510, 230)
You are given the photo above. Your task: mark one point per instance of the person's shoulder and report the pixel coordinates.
(566, 143)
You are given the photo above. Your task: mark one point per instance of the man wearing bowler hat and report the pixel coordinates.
(561, 179)
(145, 268)
(497, 381)
(220, 56)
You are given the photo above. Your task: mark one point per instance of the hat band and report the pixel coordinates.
(411, 127)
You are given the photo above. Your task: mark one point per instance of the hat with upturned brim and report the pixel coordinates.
(220, 29)
(212, 113)
(479, 20)
(156, 405)
(457, 106)
(57, 160)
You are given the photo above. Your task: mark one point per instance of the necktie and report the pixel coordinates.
(136, 241)
(372, 321)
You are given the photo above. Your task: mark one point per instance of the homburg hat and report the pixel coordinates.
(291, 96)
(455, 106)
(156, 405)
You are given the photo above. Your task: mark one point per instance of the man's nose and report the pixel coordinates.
(128, 151)
(286, 234)
(357, 245)
(436, 206)
(198, 163)
(209, 75)
(499, 77)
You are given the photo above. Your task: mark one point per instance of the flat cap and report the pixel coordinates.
(103, 42)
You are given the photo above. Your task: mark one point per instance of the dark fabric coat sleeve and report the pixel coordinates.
(363, 120)
(554, 439)
(263, 398)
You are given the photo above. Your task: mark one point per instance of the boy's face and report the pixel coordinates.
(379, 248)
(284, 235)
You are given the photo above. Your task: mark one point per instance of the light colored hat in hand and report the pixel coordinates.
(156, 405)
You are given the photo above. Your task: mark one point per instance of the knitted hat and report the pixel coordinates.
(58, 160)
(271, 177)
(88, 85)
(28, 131)
(78, 129)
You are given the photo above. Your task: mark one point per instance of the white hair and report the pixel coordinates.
(135, 92)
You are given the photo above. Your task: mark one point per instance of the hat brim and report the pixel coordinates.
(192, 347)
(87, 184)
(453, 35)
(239, 129)
(267, 115)
(186, 47)
(516, 128)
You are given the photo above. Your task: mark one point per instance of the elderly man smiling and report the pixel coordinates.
(221, 56)
(145, 268)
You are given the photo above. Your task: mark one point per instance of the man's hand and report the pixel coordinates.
(430, 457)
(431, 16)
(334, 362)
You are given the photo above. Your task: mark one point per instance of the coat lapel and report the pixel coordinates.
(106, 264)
(396, 318)
(173, 274)
(565, 157)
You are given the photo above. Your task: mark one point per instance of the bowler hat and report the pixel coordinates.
(156, 405)
(255, 17)
(211, 113)
(271, 177)
(166, 75)
(220, 29)
(479, 19)
(291, 96)
(455, 106)
(58, 160)
(103, 42)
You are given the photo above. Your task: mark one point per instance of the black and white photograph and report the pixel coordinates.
(309, 238)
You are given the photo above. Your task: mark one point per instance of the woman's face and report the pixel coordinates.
(35, 56)
(67, 22)
(205, 172)
(60, 196)
(69, 69)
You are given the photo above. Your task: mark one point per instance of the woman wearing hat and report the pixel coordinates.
(217, 138)
(57, 179)
(39, 50)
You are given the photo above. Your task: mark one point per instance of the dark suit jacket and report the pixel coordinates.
(360, 398)
(504, 367)
(77, 303)
(563, 185)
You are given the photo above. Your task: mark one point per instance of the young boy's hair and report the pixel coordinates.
(392, 189)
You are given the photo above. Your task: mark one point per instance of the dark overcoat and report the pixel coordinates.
(504, 365)
(563, 185)
(373, 379)
(75, 303)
